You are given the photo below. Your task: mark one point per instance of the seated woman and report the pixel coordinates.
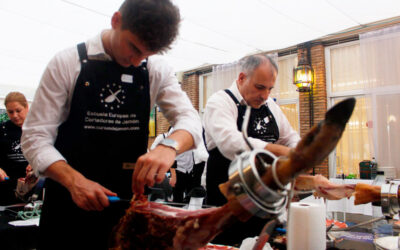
(12, 162)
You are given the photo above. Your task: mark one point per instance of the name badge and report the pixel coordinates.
(127, 78)
(128, 165)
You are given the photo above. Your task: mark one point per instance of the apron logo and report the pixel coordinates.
(128, 165)
(112, 96)
(127, 78)
(16, 147)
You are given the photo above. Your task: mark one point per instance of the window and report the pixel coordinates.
(368, 70)
(387, 130)
(344, 80)
(292, 114)
(204, 91)
(354, 146)
(345, 67)
(285, 91)
(380, 59)
(284, 87)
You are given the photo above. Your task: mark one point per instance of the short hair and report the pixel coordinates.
(16, 97)
(155, 22)
(250, 63)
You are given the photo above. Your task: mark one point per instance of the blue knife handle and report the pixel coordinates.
(113, 199)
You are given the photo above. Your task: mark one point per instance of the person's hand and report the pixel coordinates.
(323, 187)
(278, 150)
(30, 175)
(151, 167)
(89, 195)
(3, 175)
(86, 194)
(331, 191)
(28, 169)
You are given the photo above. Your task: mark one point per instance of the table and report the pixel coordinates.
(16, 238)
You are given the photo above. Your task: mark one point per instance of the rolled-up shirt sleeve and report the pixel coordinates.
(49, 109)
(172, 100)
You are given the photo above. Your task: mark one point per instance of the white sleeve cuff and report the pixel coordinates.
(46, 158)
(195, 129)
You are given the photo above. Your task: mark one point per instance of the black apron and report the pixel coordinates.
(262, 125)
(105, 133)
(12, 161)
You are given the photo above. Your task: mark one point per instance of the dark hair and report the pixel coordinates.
(16, 97)
(250, 63)
(155, 22)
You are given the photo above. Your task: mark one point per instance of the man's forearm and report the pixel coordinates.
(184, 139)
(62, 173)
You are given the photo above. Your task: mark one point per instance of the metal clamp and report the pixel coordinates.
(245, 182)
(389, 199)
(250, 190)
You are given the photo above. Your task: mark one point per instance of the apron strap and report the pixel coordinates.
(232, 96)
(83, 57)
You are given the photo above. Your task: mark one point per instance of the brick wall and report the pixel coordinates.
(162, 123)
(319, 98)
(190, 85)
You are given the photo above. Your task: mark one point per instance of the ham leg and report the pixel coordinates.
(151, 225)
(367, 193)
(148, 225)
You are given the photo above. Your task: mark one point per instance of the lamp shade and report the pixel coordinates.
(303, 77)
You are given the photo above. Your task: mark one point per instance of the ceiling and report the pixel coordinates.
(212, 32)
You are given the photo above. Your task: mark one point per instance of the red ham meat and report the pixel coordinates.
(149, 225)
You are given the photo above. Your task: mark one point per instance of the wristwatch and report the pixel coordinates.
(168, 142)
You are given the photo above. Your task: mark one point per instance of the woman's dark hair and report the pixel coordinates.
(155, 22)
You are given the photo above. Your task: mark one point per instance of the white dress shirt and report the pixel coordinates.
(184, 162)
(159, 138)
(200, 153)
(220, 124)
(52, 102)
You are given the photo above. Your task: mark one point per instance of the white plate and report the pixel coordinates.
(387, 243)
